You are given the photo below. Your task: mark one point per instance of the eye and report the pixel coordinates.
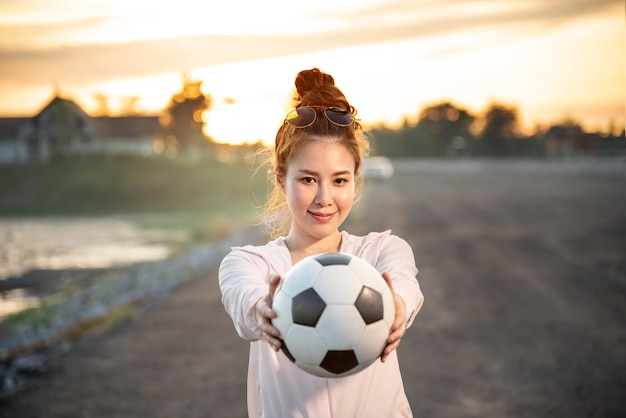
(341, 181)
(307, 180)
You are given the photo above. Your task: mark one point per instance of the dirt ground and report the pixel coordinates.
(523, 267)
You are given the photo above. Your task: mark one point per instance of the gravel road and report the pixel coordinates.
(523, 267)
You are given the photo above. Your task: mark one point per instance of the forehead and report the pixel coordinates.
(325, 154)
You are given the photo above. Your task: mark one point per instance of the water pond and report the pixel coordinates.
(34, 251)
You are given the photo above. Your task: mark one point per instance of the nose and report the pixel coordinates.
(324, 195)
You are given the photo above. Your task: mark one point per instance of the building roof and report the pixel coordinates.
(59, 102)
(106, 127)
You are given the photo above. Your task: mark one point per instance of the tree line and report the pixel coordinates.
(447, 130)
(441, 130)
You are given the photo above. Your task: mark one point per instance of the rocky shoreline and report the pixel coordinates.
(29, 344)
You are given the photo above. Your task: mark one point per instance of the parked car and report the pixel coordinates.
(377, 168)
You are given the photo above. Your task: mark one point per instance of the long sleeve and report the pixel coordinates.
(243, 283)
(397, 259)
(391, 254)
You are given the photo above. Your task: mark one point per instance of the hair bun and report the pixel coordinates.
(308, 80)
(316, 88)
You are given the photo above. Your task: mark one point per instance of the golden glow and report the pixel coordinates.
(550, 71)
(244, 122)
(165, 119)
(158, 146)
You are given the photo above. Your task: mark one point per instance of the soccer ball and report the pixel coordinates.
(334, 313)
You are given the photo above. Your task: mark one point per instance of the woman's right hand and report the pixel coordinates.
(264, 314)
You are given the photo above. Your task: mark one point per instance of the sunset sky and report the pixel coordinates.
(552, 59)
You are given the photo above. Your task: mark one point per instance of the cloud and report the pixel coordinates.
(376, 24)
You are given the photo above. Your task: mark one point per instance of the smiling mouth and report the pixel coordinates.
(322, 217)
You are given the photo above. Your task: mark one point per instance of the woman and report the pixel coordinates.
(317, 159)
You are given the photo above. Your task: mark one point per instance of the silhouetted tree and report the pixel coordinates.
(447, 128)
(130, 105)
(442, 129)
(182, 119)
(393, 142)
(102, 102)
(500, 126)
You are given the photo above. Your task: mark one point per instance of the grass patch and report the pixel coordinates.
(207, 199)
(33, 316)
(115, 316)
(100, 185)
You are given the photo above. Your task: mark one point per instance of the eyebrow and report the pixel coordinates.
(315, 173)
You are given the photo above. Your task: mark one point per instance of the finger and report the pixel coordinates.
(274, 282)
(395, 335)
(387, 278)
(275, 343)
(268, 313)
(398, 322)
(262, 310)
(271, 334)
(270, 331)
(393, 341)
(388, 350)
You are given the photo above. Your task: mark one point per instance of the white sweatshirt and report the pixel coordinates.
(277, 388)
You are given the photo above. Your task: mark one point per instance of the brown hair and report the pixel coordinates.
(317, 89)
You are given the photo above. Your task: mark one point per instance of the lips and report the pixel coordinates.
(322, 217)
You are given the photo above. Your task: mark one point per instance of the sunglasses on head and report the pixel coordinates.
(305, 116)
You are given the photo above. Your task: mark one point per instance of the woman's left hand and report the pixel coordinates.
(398, 328)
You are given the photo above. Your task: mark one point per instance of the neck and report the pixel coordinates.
(300, 248)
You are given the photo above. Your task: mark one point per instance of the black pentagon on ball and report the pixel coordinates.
(307, 307)
(369, 303)
(339, 361)
(332, 259)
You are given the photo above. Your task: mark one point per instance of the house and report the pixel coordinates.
(569, 140)
(14, 139)
(62, 128)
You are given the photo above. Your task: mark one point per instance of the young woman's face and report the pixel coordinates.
(320, 187)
